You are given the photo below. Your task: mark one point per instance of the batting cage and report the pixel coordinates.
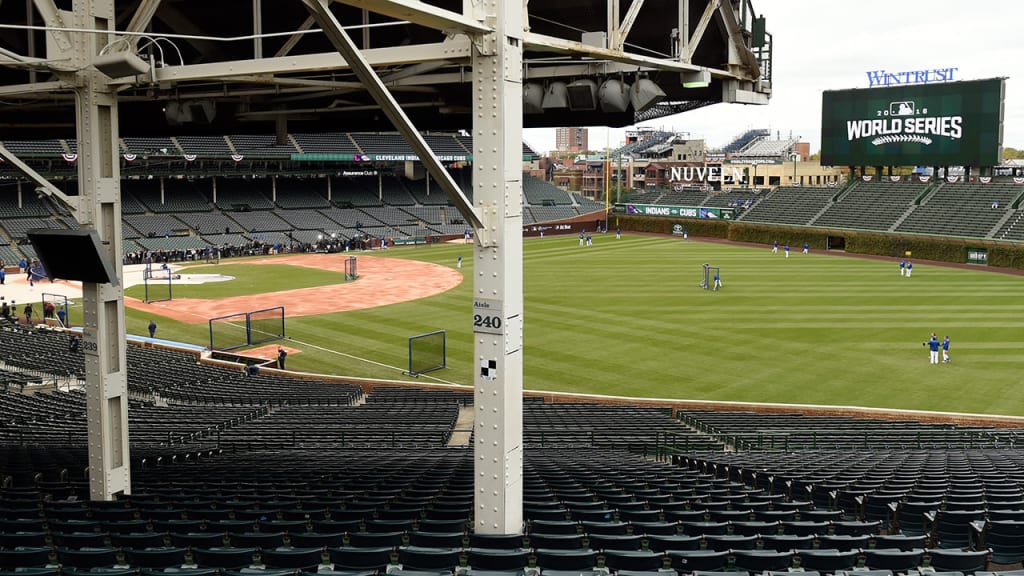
(711, 277)
(159, 283)
(427, 352)
(266, 325)
(247, 328)
(55, 309)
(351, 271)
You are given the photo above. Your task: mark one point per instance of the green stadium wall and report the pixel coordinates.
(939, 249)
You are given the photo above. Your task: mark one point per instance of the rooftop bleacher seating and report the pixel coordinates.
(789, 205)
(961, 210)
(745, 139)
(766, 148)
(870, 205)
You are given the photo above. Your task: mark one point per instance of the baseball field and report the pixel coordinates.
(628, 318)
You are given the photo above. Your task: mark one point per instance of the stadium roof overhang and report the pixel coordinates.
(256, 66)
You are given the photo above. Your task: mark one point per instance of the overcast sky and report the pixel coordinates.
(831, 44)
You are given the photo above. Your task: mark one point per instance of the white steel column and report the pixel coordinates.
(498, 269)
(103, 340)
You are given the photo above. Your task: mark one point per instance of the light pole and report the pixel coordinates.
(794, 156)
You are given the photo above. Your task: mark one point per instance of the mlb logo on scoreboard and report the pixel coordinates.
(905, 108)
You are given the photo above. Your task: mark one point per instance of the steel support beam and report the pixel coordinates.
(44, 186)
(702, 25)
(739, 54)
(142, 17)
(52, 17)
(103, 330)
(627, 24)
(453, 49)
(497, 110)
(683, 39)
(421, 13)
(320, 9)
(545, 43)
(294, 38)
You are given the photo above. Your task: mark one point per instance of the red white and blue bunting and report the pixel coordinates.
(129, 157)
(924, 179)
(70, 157)
(237, 157)
(985, 179)
(866, 178)
(952, 179)
(190, 157)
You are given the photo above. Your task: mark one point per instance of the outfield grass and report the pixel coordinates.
(626, 317)
(248, 279)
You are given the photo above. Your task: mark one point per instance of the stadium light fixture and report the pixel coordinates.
(533, 98)
(697, 79)
(556, 96)
(613, 95)
(645, 94)
(582, 94)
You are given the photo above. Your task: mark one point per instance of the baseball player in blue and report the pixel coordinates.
(903, 267)
(945, 350)
(718, 282)
(786, 248)
(581, 238)
(775, 247)
(910, 268)
(933, 348)
(806, 247)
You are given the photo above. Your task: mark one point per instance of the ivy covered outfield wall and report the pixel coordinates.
(1000, 254)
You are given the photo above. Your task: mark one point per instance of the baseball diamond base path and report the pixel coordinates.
(381, 281)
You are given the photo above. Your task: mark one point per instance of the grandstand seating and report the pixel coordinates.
(961, 210)
(243, 194)
(355, 191)
(235, 466)
(870, 205)
(205, 146)
(325, 143)
(683, 197)
(154, 225)
(142, 146)
(789, 205)
(254, 222)
(295, 193)
(262, 146)
(536, 192)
